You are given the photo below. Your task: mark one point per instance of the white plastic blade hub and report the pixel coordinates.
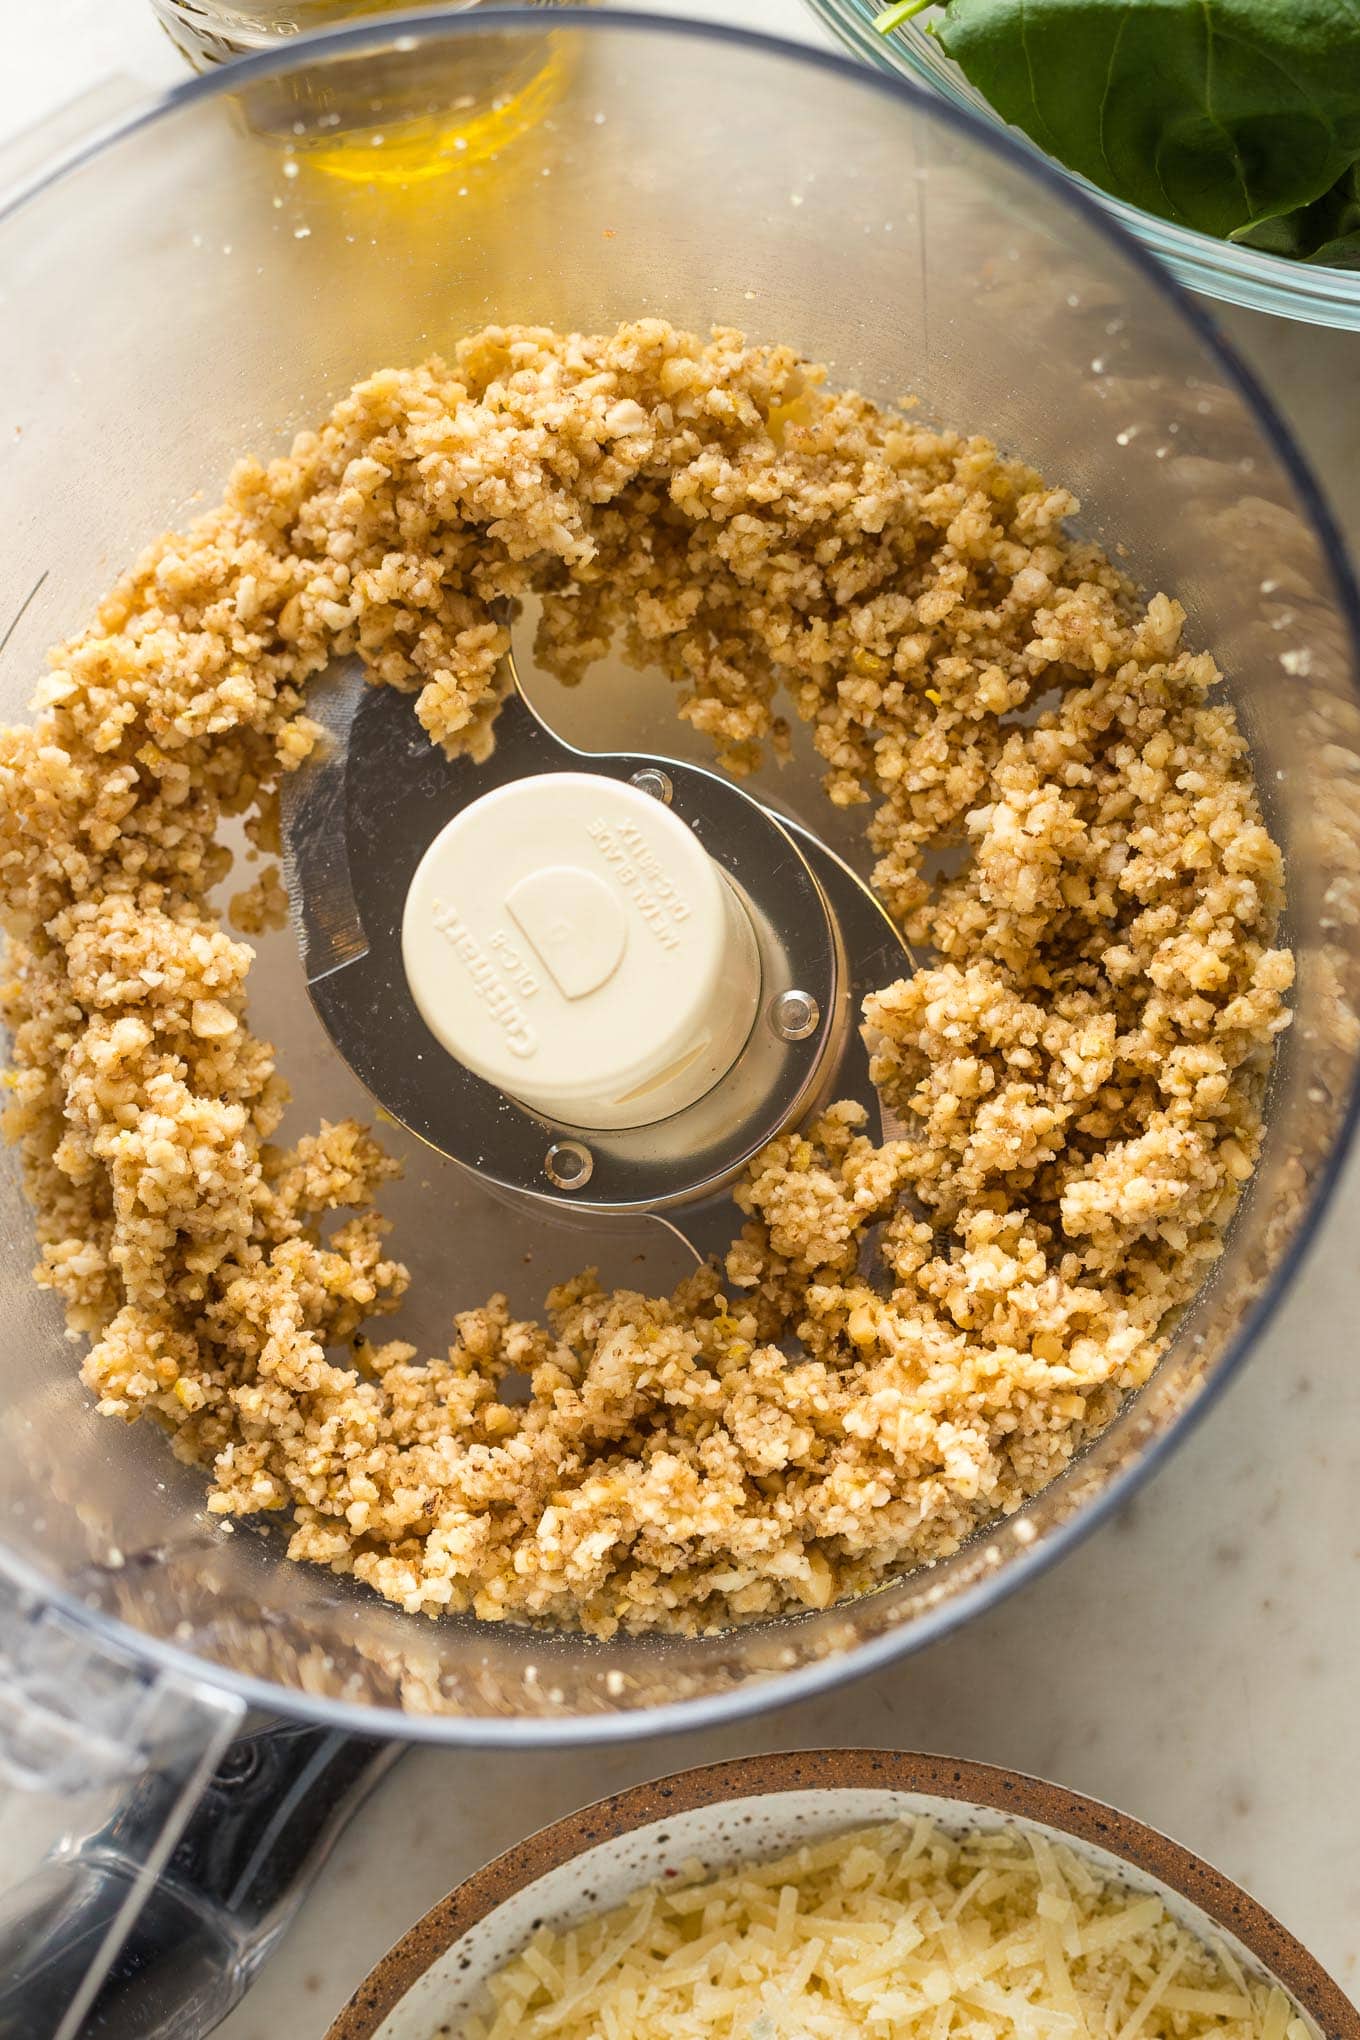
(570, 940)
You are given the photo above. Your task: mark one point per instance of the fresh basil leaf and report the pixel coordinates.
(1333, 227)
(1218, 114)
(1341, 253)
(1326, 233)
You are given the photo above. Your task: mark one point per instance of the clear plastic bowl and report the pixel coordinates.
(1214, 268)
(174, 298)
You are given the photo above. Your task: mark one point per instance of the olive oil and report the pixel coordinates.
(380, 120)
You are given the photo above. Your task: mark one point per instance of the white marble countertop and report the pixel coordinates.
(1196, 1661)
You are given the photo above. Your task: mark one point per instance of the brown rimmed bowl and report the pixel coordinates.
(759, 1807)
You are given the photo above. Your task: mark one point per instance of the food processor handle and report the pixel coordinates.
(186, 1833)
(264, 1824)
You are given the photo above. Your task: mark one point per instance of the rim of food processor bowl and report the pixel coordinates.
(1229, 271)
(777, 1689)
(1089, 1824)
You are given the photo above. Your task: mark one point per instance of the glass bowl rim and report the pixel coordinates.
(758, 1693)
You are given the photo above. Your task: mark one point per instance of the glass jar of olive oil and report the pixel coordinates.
(214, 31)
(350, 127)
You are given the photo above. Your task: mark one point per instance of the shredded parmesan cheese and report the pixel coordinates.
(902, 1931)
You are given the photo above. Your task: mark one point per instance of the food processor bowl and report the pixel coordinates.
(206, 281)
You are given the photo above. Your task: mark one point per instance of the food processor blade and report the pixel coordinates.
(358, 818)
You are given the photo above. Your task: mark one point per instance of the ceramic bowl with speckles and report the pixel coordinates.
(756, 1809)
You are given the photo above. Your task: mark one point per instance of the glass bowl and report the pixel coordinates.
(1216, 269)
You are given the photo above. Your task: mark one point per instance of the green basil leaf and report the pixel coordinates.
(1334, 226)
(1326, 233)
(1343, 253)
(1218, 114)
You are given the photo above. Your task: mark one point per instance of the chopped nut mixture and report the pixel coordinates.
(1079, 1064)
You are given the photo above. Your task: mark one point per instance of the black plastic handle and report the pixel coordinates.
(252, 1845)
